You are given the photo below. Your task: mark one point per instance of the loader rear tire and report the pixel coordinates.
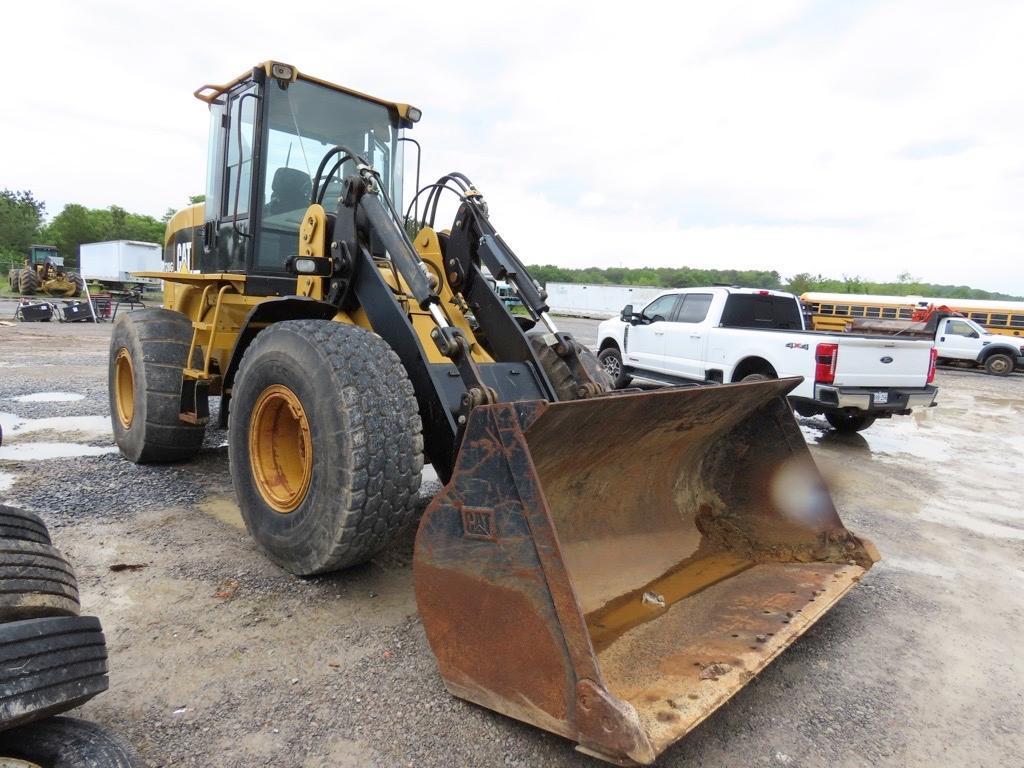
(22, 525)
(48, 666)
(66, 742)
(558, 371)
(36, 581)
(148, 350)
(28, 281)
(843, 422)
(324, 444)
(611, 359)
(13, 276)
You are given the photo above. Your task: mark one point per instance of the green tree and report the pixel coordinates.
(20, 217)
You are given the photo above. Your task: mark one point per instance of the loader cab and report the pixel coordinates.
(269, 131)
(41, 254)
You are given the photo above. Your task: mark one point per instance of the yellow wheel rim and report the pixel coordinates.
(280, 448)
(124, 387)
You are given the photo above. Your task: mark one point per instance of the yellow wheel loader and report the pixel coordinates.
(609, 566)
(44, 273)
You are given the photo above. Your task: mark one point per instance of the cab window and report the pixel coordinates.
(659, 309)
(959, 328)
(695, 308)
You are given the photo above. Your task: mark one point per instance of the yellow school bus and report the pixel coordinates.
(833, 311)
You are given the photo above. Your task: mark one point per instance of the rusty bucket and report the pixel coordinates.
(614, 569)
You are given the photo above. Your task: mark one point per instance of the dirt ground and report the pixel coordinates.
(218, 658)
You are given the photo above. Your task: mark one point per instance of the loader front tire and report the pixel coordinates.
(13, 276)
(324, 444)
(148, 350)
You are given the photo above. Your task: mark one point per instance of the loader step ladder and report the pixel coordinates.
(198, 383)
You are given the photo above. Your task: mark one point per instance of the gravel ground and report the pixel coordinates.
(219, 658)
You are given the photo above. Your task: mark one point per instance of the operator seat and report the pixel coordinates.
(289, 191)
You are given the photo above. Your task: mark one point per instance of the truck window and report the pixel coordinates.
(660, 308)
(750, 310)
(959, 328)
(694, 308)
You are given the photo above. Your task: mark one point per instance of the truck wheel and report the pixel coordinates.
(28, 281)
(756, 377)
(148, 350)
(611, 359)
(22, 525)
(65, 742)
(999, 364)
(844, 422)
(35, 581)
(49, 666)
(324, 444)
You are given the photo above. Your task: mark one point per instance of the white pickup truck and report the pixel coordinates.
(721, 335)
(958, 341)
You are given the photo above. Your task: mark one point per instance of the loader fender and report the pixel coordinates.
(273, 311)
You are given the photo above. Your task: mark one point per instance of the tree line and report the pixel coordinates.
(690, 277)
(23, 222)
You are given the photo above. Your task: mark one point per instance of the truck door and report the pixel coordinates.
(685, 336)
(958, 340)
(645, 341)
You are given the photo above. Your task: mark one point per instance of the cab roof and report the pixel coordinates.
(209, 93)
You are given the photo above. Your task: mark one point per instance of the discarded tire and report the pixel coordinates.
(48, 666)
(19, 524)
(67, 742)
(36, 581)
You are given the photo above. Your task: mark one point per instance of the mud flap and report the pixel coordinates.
(614, 569)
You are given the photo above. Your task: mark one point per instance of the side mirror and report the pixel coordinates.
(627, 313)
(974, 335)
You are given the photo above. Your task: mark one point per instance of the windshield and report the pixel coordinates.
(303, 122)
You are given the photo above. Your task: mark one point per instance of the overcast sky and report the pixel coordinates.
(844, 137)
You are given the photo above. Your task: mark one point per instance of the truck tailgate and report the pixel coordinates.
(874, 362)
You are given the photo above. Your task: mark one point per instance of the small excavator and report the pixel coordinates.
(609, 566)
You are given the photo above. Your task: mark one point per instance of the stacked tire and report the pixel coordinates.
(51, 658)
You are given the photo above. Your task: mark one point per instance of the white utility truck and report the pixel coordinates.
(112, 263)
(958, 340)
(722, 335)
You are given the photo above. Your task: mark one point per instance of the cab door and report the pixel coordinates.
(645, 341)
(958, 340)
(685, 336)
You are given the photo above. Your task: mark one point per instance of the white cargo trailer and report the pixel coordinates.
(113, 262)
(588, 300)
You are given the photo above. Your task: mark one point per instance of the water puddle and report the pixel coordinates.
(42, 451)
(225, 509)
(92, 426)
(50, 397)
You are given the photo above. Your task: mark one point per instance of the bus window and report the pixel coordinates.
(889, 313)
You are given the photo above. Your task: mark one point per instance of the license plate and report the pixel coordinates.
(881, 398)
